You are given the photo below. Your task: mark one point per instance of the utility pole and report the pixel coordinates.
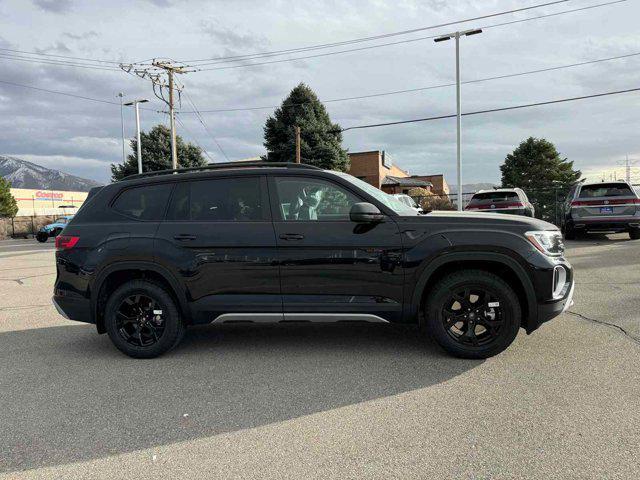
(297, 129)
(628, 170)
(122, 124)
(155, 72)
(171, 69)
(136, 103)
(456, 36)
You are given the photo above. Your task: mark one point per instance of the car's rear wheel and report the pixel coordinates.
(142, 319)
(42, 237)
(570, 233)
(634, 233)
(473, 314)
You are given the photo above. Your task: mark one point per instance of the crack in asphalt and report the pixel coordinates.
(607, 324)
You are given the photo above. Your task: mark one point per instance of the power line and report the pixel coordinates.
(184, 127)
(430, 87)
(60, 93)
(479, 112)
(59, 56)
(199, 117)
(369, 47)
(18, 58)
(370, 38)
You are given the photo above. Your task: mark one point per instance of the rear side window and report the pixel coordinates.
(218, 200)
(144, 203)
(606, 190)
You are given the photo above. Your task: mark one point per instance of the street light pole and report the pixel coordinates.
(444, 38)
(136, 103)
(122, 124)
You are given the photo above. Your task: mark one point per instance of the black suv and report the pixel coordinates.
(275, 242)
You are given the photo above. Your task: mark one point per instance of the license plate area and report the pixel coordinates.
(606, 209)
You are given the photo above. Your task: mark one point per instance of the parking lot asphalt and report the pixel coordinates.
(323, 401)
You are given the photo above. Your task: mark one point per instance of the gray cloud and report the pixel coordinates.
(81, 36)
(54, 6)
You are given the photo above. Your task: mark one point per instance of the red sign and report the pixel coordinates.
(41, 194)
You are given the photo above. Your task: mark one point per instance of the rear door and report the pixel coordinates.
(219, 239)
(331, 266)
(605, 202)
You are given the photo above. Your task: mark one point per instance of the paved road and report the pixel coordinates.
(323, 402)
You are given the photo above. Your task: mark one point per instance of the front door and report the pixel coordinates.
(331, 268)
(219, 238)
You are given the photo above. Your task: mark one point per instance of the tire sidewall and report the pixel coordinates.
(493, 284)
(174, 328)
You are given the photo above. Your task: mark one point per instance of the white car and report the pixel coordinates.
(408, 201)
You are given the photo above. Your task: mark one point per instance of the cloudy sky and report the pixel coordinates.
(84, 137)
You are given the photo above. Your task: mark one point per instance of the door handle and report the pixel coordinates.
(184, 237)
(291, 236)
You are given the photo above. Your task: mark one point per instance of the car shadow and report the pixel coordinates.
(68, 395)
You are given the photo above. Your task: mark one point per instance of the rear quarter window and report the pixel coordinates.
(146, 202)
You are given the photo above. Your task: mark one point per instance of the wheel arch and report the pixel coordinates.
(116, 274)
(497, 263)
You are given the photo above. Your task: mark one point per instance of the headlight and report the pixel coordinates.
(548, 242)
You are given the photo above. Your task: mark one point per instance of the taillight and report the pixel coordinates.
(65, 242)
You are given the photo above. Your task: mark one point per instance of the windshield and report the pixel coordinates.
(393, 203)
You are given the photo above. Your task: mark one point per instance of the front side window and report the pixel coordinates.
(144, 203)
(218, 200)
(313, 199)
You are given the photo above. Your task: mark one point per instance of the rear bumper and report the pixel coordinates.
(78, 309)
(619, 224)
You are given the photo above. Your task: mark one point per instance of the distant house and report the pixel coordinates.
(377, 168)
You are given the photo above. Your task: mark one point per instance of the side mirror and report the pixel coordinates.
(365, 213)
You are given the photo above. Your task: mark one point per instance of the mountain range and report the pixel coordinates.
(23, 174)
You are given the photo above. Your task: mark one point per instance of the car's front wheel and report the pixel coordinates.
(142, 319)
(473, 314)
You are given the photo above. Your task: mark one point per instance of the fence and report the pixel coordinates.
(23, 226)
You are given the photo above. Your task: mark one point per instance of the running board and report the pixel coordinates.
(297, 317)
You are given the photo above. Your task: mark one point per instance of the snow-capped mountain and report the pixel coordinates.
(23, 174)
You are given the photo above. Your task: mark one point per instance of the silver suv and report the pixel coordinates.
(502, 200)
(602, 207)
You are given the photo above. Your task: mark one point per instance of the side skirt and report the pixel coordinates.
(297, 317)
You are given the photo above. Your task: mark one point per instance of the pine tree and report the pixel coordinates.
(536, 167)
(8, 204)
(320, 139)
(156, 154)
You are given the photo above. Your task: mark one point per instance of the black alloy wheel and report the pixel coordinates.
(140, 321)
(472, 314)
(143, 320)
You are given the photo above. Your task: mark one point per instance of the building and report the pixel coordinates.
(47, 202)
(378, 169)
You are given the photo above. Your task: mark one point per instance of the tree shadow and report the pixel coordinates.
(68, 395)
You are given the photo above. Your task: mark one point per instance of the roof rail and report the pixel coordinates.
(222, 166)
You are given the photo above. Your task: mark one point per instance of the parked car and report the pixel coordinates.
(408, 201)
(53, 229)
(602, 207)
(502, 200)
(275, 242)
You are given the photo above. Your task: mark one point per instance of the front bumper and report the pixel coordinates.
(548, 311)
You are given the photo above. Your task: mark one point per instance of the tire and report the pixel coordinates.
(634, 233)
(42, 237)
(570, 233)
(494, 329)
(168, 329)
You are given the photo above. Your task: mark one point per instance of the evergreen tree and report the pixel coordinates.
(8, 204)
(536, 167)
(156, 154)
(320, 140)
